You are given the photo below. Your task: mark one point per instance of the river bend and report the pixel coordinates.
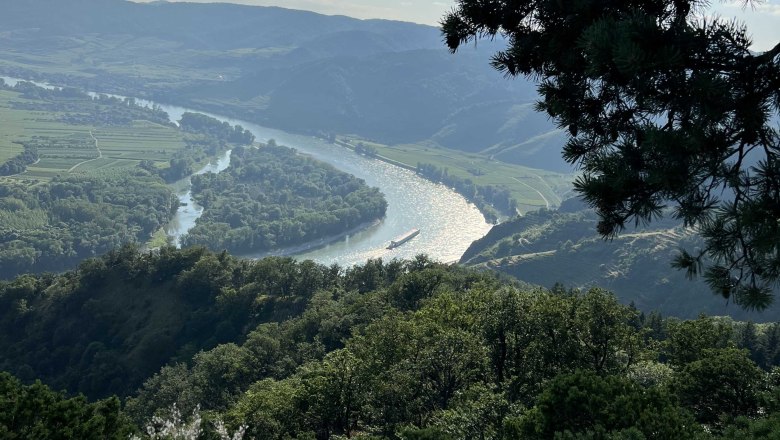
(448, 223)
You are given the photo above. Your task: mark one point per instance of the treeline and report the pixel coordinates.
(272, 197)
(211, 138)
(18, 164)
(424, 359)
(210, 127)
(109, 325)
(493, 201)
(52, 226)
(37, 412)
(365, 150)
(400, 349)
(80, 108)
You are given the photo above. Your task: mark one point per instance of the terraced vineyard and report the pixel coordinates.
(67, 148)
(84, 175)
(548, 247)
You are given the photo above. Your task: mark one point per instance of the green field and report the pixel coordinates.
(92, 175)
(218, 81)
(66, 148)
(12, 125)
(531, 188)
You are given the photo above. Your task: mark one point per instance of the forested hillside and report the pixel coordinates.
(294, 70)
(399, 349)
(563, 246)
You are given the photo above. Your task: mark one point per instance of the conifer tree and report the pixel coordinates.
(665, 109)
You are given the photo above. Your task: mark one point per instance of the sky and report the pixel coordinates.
(763, 20)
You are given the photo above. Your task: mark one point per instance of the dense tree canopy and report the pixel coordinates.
(664, 108)
(37, 412)
(56, 224)
(273, 197)
(385, 350)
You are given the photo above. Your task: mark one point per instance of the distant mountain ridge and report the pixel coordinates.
(201, 25)
(391, 81)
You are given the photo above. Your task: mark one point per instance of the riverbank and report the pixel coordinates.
(491, 216)
(448, 221)
(385, 159)
(498, 189)
(313, 245)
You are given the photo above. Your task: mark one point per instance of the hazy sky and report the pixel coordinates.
(763, 21)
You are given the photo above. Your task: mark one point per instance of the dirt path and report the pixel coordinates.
(552, 191)
(547, 202)
(97, 147)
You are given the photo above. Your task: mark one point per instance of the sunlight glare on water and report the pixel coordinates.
(448, 223)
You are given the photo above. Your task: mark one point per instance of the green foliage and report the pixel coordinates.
(18, 164)
(435, 366)
(746, 428)
(272, 197)
(662, 109)
(588, 405)
(486, 197)
(687, 341)
(71, 218)
(35, 412)
(424, 434)
(107, 326)
(76, 107)
(477, 412)
(720, 386)
(270, 409)
(210, 127)
(633, 265)
(404, 349)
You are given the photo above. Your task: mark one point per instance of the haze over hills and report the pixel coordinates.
(390, 81)
(200, 26)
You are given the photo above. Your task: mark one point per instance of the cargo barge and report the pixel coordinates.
(403, 238)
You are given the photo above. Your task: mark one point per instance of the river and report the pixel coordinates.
(448, 223)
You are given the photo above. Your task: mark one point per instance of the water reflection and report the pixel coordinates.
(448, 223)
